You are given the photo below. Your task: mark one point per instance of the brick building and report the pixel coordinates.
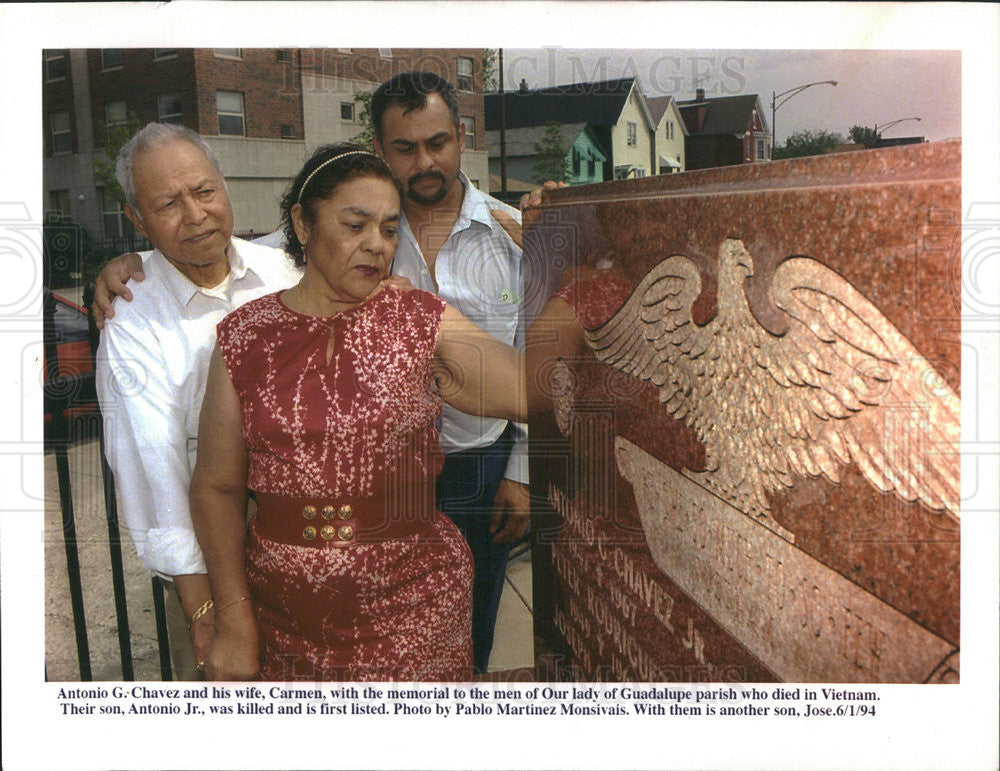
(262, 111)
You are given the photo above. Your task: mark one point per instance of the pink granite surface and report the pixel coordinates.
(888, 222)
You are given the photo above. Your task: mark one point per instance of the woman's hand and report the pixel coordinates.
(235, 653)
(203, 638)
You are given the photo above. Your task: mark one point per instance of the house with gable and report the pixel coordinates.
(725, 130)
(614, 112)
(585, 160)
(669, 134)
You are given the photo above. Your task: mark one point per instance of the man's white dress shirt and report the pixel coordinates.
(478, 271)
(152, 366)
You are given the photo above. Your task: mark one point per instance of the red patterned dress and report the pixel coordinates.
(354, 574)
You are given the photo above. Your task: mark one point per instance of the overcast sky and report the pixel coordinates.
(872, 86)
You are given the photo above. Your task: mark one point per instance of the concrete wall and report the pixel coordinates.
(258, 171)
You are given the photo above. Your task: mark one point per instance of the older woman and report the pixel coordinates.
(322, 400)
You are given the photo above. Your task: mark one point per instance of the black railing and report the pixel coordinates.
(62, 394)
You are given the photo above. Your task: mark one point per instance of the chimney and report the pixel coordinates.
(699, 94)
(523, 87)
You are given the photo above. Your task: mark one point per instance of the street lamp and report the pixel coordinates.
(890, 124)
(788, 95)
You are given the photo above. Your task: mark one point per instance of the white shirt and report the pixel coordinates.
(478, 271)
(152, 366)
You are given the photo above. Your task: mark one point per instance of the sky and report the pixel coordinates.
(873, 86)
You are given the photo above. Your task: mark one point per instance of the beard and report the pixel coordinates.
(427, 200)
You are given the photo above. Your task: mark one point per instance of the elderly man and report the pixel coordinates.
(153, 358)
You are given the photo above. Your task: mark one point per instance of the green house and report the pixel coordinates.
(585, 161)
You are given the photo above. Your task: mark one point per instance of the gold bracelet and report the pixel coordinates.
(206, 606)
(230, 604)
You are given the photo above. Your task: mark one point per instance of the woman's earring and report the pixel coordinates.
(305, 257)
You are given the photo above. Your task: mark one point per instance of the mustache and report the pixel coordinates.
(426, 175)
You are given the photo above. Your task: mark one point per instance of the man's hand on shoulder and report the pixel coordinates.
(400, 283)
(110, 283)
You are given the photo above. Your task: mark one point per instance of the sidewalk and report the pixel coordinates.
(512, 649)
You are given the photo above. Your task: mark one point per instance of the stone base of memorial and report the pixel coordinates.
(747, 468)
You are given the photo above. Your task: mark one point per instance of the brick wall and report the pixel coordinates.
(272, 98)
(57, 97)
(139, 82)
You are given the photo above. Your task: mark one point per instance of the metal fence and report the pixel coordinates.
(65, 395)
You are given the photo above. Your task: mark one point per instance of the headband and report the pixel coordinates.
(328, 161)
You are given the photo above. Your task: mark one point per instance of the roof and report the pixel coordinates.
(726, 114)
(597, 104)
(657, 106)
(522, 141)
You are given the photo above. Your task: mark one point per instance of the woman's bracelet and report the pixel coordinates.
(230, 604)
(206, 606)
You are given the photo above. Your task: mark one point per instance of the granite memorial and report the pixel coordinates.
(745, 422)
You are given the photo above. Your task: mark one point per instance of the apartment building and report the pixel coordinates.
(262, 111)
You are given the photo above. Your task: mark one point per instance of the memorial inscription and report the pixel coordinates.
(745, 427)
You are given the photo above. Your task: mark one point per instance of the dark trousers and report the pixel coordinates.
(465, 491)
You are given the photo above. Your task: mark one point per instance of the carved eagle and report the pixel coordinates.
(842, 385)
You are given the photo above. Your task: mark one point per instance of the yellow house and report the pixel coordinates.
(632, 143)
(669, 135)
(614, 112)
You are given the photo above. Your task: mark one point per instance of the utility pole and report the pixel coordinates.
(775, 104)
(503, 129)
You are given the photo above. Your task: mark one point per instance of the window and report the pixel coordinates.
(576, 161)
(287, 131)
(228, 53)
(285, 55)
(111, 58)
(464, 73)
(470, 131)
(761, 151)
(62, 138)
(230, 107)
(631, 134)
(168, 108)
(55, 65)
(347, 111)
(640, 173)
(59, 202)
(591, 165)
(385, 53)
(116, 224)
(670, 129)
(115, 113)
(164, 53)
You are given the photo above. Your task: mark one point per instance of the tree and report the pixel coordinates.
(863, 135)
(551, 161)
(490, 81)
(808, 142)
(366, 137)
(113, 139)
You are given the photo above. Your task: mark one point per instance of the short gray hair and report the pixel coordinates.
(150, 136)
